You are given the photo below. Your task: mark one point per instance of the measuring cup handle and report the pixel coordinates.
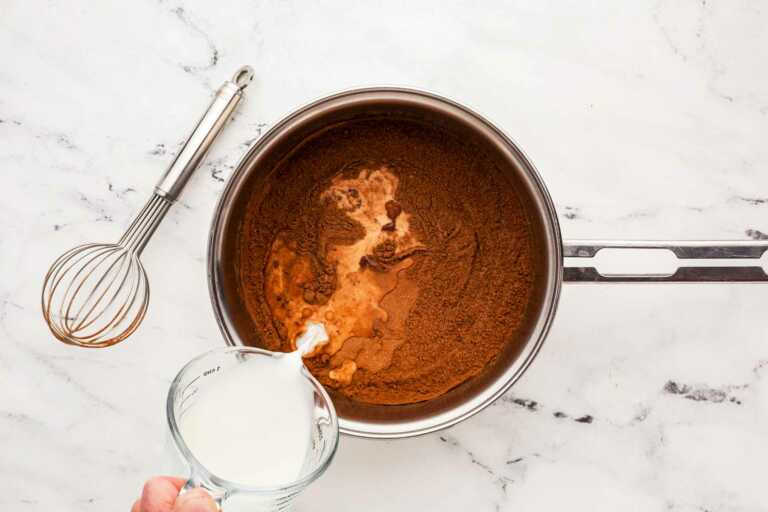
(686, 251)
(208, 127)
(192, 483)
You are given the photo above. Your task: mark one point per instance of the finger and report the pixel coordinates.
(136, 506)
(196, 500)
(176, 481)
(159, 494)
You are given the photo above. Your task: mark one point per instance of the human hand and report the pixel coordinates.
(161, 494)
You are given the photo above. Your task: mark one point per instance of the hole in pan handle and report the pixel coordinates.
(705, 261)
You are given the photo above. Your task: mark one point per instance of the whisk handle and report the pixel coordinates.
(192, 153)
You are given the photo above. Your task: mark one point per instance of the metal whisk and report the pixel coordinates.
(96, 295)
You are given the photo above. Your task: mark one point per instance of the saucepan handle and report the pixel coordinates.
(690, 253)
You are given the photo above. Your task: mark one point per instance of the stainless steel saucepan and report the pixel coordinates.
(557, 256)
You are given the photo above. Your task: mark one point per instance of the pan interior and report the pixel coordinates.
(250, 182)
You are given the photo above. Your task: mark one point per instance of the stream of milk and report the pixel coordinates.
(252, 425)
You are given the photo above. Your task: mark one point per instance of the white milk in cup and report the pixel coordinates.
(253, 422)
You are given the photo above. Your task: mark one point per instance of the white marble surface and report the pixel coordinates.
(647, 119)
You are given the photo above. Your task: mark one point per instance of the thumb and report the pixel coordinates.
(196, 500)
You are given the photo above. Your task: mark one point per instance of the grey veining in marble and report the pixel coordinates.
(647, 119)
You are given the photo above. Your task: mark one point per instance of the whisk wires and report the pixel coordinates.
(96, 295)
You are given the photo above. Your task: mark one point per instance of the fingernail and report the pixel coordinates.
(196, 500)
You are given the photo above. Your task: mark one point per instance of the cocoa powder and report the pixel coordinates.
(411, 245)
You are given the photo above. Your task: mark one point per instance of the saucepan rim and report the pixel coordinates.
(553, 247)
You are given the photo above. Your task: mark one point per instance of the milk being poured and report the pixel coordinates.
(253, 424)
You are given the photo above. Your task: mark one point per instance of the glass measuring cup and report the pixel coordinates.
(204, 371)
